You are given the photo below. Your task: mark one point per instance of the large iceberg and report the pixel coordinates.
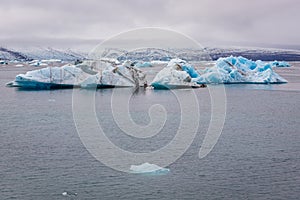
(67, 76)
(179, 74)
(240, 70)
(85, 75)
(147, 168)
(125, 75)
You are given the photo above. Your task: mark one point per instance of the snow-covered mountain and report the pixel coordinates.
(39, 53)
(9, 54)
(208, 53)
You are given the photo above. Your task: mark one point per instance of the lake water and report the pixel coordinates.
(256, 157)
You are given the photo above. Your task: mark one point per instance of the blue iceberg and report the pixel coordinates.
(67, 76)
(241, 70)
(280, 64)
(180, 74)
(143, 64)
(177, 74)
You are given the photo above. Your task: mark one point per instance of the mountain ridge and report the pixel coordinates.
(212, 53)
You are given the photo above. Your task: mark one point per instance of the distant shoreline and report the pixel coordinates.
(264, 54)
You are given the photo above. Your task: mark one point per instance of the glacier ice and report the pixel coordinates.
(280, 64)
(143, 64)
(178, 73)
(67, 193)
(116, 76)
(124, 75)
(37, 64)
(240, 70)
(148, 169)
(86, 75)
(50, 77)
(158, 62)
(3, 62)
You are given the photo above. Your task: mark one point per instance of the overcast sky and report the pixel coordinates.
(69, 23)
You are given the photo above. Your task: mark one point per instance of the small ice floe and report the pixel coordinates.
(158, 62)
(51, 100)
(19, 65)
(3, 62)
(10, 84)
(280, 64)
(38, 63)
(67, 193)
(51, 61)
(143, 64)
(147, 168)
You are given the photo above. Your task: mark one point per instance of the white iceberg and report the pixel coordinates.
(84, 75)
(37, 63)
(125, 75)
(158, 62)
(177, 74)
(51, 61)
(67, 193)
(147, 168)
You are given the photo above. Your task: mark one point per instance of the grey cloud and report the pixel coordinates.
(208, 21)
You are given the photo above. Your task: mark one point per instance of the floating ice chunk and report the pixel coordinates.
(67, 193)
(143, 64)
(241, 70)
(51, 77)
(148, 169)
(51, 61)
(2, 62)
(37, 64)
(83, 75)
(10, 84)
(169, 75)
(280, 64)
(111, 60)
(177, 74)
(124, 75)
(158, 62)
(64, 193)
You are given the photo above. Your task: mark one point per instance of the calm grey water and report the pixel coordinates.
(256, 157)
